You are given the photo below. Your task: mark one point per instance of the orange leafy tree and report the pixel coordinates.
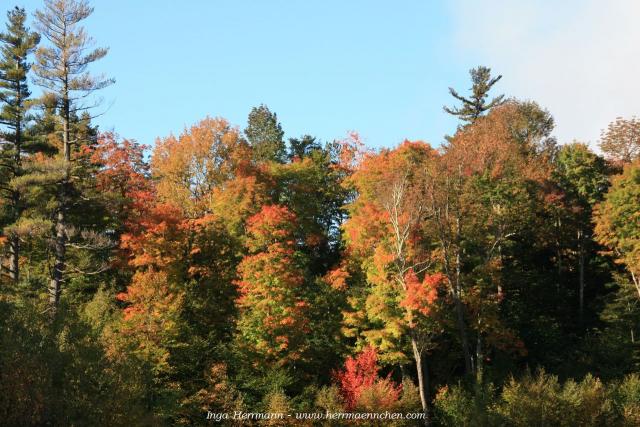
(394, 312)
(150, 324)
(180, 247)
(203, 158)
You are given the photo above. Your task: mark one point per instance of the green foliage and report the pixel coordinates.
(454, 406)
(625, 398)
(476, 105)
(617, 226)
(542, 400)
(265, 135)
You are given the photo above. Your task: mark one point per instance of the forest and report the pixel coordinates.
(492, 279)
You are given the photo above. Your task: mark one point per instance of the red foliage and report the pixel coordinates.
(122, 175)
(360, 375)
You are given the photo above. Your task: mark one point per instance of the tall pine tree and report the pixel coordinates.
(61, 69)
(476, 105)
(17, 44)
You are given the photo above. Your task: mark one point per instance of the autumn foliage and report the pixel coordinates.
(273, 320)
(420, 296)
(227, 269)
(360, 380)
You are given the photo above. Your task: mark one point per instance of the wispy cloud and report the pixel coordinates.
(579, 59)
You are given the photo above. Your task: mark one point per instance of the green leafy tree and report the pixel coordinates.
(582, 176)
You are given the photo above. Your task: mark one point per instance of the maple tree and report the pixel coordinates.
(192, 165)
(273, 322)
(485, 187)
(385, 231)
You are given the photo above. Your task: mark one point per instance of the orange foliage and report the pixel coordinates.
(151, 319)
(202, 158)
(420, 296)
(273, 311)
(489, 146)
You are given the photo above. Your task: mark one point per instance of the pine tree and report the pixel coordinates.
(17, 44)
(476, 105)
(61, 69)
(265, 135)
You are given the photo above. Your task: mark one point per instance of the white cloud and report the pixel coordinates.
(579, 59)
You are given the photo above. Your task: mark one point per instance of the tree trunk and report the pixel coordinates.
(423, 382)
(14, 240)
(59, 262)
(14, 258)
(636, 282)
(581, 272)
(479, 360)
(462, 330)
(57, 275)
(468, 362)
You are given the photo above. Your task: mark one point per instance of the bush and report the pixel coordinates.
(626, 401)
(453, 406)
(543, 401)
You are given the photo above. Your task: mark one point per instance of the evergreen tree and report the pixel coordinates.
(581, 175)
(265, 135)
(61, 69)
(300, 148)
(476, 105)
(17, 44)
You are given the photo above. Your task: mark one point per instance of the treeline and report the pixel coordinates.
(491, 280)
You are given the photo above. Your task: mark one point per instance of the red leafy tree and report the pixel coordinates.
(359, 380)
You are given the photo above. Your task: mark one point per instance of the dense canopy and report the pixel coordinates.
(491, 278)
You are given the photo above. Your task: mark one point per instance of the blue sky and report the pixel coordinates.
(381, 68)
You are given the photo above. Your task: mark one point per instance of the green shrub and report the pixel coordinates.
(625, 398)
(453, 406)
(542, 401)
